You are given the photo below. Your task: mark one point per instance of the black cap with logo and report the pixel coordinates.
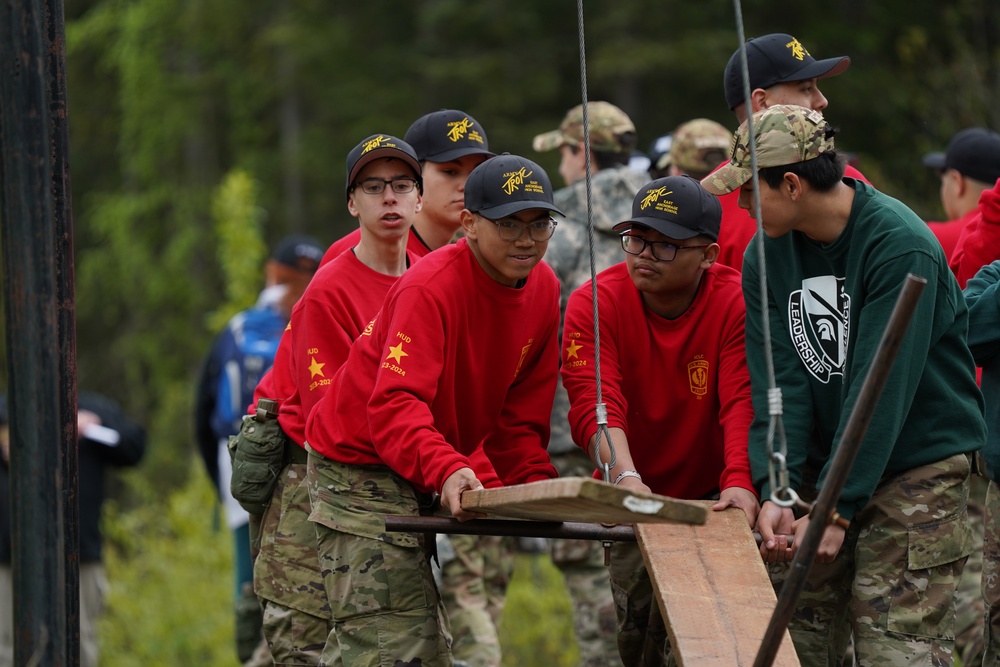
(776, 58)
(675, 206)
(446, 135)
(380, 146)
(507, 184)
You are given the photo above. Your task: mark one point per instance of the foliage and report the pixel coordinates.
(170, 568)
(537, 623)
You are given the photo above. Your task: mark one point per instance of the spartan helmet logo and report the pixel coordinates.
(819, 322)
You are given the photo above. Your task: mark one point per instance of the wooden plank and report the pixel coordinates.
(713, 590)
(581, 499)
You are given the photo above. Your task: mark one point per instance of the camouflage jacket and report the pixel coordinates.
(612, 192)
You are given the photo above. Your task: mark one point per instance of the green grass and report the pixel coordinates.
(170, 603)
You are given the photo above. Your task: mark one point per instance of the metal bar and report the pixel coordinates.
(840, 468)
(510, 527)
(26, 234)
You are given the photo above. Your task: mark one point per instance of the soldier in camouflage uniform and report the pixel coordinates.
(981, 295)
(613, 186)
(837, 253)
(698, 147)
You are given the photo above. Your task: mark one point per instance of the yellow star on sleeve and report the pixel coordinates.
(316, 368)
(396, 352)
(571, 351)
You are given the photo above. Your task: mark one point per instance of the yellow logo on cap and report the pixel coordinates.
(378, 142)
(515, 179)
(458, 129)
(652, 196)
(798, 51)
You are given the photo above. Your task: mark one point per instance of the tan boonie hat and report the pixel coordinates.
(700, 145)
(608, 127)
(784, 134)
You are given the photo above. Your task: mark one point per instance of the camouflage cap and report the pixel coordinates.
(700, 145)
(784, 134)
(611, 130)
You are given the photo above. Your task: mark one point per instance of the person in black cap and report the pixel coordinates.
(383, 192)
(968, 166)
(459, 366)
(240, 355)
(449, 144)
(781, 71)
(674, 379)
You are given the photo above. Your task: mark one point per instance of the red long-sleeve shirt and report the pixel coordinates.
(339, 303)
(454, 360)
(979, 243)
(679, 388)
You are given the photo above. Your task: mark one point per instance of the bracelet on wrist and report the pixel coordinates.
(627, 473)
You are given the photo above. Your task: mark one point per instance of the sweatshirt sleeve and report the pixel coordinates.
(735, 400)
(897, 395)
(980, 244)
(406, 384)
(320, 345)
(517, 447)
(578, 369)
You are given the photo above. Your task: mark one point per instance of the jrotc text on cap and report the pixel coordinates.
(380, 146)
(677, 207)
(446, 135)
(507, 184)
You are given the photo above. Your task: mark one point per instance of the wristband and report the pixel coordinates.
(627, 473)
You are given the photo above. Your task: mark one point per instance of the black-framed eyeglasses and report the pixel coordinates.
(376, 186)
(662, 251)
(512, 230)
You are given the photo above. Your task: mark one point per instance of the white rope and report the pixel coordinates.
(600, 409)
(776, 428)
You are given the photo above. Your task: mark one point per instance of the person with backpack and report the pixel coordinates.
(238, 358)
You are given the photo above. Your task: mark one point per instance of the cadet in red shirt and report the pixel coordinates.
(462, 357)
(673, 375)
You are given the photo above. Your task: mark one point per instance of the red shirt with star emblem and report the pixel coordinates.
(341, 300)
(454, 360)
(679, 388)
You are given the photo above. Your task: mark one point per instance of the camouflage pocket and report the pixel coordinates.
(258, 453)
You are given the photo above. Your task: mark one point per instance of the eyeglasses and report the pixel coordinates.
(662, 250)
(511, 230)
(376, 186)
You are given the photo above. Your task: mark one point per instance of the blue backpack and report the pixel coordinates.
(244, 352)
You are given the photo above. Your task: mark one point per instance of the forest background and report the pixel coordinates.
(203, 130)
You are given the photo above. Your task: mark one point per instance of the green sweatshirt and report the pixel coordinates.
(828, 305)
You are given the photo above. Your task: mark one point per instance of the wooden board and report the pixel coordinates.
(581, 499)
(713, 590)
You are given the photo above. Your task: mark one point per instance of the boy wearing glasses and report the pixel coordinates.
(461, 361)
(673, 375)
(383, 192)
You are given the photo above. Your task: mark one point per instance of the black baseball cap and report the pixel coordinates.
(447, 135)
(675, 206)
(507, 184)
(299, 252)
(381, 146)
(973, 152)
(772, 59)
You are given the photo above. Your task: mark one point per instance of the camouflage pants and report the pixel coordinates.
(991, 576)
(642, 635)
(475, 571)
(582, 565)
(287, 574)
(969, 607)
(385, 607)
(893, 583)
